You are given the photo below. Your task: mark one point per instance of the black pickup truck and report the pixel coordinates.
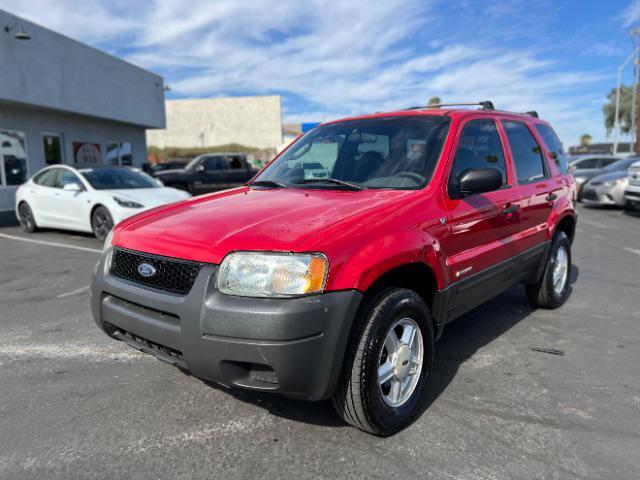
(209, 172)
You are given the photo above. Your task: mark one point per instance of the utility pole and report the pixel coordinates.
(634, 146)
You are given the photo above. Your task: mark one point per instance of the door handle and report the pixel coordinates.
(551, 197)
(509, 210)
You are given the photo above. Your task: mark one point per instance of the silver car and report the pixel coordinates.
(632, 193)
(609, 187)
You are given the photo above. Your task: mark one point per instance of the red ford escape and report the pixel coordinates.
(333, 272)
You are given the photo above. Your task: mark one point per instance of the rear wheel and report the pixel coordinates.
(26, 218)
(101, 223)
(382, 388)
(553, 288)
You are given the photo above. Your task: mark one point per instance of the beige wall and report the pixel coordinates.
(209, 122)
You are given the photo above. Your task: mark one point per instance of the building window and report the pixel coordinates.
(13, 158)
(52, 143)
(119, 153)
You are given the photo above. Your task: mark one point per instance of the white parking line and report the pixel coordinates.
(74, 292)
(51, 244)
(632, 250)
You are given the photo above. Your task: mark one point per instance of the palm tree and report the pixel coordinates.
(585, 139)
(609, 109)
(434, 101)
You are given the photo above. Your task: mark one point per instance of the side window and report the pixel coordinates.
(527, 155)
(66, 177)
(212, 164)
(234, 163)
(554, 146)
(479, 147)
(605, 162)
(587, 163)
(47, 178)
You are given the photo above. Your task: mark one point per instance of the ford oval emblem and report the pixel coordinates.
(146, 270)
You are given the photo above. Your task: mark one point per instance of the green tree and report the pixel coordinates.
(434, 101)
(585, 139)
(609, 109)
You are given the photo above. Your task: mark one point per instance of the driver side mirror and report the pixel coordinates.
(200, 168)
(72, 187)
(477, 180)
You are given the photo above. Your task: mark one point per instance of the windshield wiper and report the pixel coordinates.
(342, 183)
(267, 183)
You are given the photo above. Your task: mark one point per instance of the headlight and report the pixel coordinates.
(580, 180)
(613, 183)
(123, 202)
(257, 274)
(108, 241)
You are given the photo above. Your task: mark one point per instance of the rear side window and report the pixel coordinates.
(47, 178)
(527, 155)
(479, 147)
(554, 146)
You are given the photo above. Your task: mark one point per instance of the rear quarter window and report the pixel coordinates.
(554, 146)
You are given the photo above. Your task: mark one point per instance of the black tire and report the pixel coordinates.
(26, 218)
(543, 294)
(101, 222)
(358, 399)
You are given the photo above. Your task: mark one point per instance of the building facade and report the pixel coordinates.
(64, 102)
(211, 122)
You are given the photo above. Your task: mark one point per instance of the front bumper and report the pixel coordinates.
(292, 346)
(632, 194)
(602, 195)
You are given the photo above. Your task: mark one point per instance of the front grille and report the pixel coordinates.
(590, 195)
(171, 275)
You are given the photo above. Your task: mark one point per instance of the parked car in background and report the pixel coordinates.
(584, 167)
(170, 165)
(334, 271)
(89, 199)
(608, 187)
(632, 193)
(209, 173)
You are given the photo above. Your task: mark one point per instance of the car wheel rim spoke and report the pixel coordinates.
(560, 270)
(400, 362)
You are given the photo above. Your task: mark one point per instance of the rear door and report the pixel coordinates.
(40, 195)
(538, 191)
(483, 226)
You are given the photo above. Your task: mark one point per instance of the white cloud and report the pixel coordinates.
(327, 59)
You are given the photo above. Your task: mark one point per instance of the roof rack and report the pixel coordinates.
(532, 113)
(486, 105)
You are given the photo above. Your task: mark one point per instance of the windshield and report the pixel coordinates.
(390, 152)
(620, 165)
(114, 178)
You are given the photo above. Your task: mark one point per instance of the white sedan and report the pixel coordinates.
(88, 199)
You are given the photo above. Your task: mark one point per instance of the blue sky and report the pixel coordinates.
(331, 59)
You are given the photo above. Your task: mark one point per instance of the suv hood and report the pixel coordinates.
(206, 228)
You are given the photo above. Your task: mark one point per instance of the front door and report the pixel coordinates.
(483, 227)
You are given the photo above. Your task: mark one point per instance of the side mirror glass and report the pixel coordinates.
(72, 187)
(478, 180)
(200, 168)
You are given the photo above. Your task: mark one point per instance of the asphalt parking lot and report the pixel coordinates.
(76, 404)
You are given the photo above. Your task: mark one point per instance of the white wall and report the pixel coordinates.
(248, 121)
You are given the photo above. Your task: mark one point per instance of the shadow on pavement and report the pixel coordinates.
(461, 340)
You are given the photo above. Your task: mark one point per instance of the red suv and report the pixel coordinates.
(333, 272)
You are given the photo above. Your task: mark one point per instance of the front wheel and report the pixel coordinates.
(382, 388)
(552, 290)
(101, 223)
